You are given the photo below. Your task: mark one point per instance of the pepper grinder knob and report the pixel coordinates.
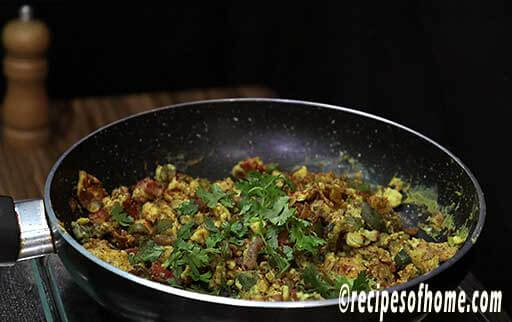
(25, 106)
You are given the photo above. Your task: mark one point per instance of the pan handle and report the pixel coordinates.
(24, 231)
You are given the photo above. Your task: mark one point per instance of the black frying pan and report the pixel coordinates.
(218, 134)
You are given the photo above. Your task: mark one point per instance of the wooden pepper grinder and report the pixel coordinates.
(25, 107)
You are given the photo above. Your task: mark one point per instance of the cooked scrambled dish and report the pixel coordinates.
(262, 234)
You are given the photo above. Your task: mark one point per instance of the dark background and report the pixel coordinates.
(440, 67)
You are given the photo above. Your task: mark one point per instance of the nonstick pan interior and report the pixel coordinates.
(208, 138)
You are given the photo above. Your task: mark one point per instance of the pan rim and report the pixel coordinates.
(251, 303)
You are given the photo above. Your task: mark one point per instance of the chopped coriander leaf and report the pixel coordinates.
(191, 255)
(361, 283)
(205, 277)
(309, 243)
(177, 271)
(197, 258)
(186, 231)
(195, 274)
(303, 242)
(225, 251)
(301, 222)
(132, 259)
(214, 196)
(313, 280)
(210, 226)
(279, 213)
(148, 252)
(227, 202)
(238, 229)
(188, 208)
(260, 185)
(226, 226)
(340, 281)
(245, 205)
(174, 282)
(246, 281)
(214, 239)
(174, 262)
(120, 216)
(271, 236)
(277, 260)
(288, 252)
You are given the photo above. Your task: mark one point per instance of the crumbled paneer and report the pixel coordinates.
(102, 250)
(264, 234)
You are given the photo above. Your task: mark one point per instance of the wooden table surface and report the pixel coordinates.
(23, 172)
